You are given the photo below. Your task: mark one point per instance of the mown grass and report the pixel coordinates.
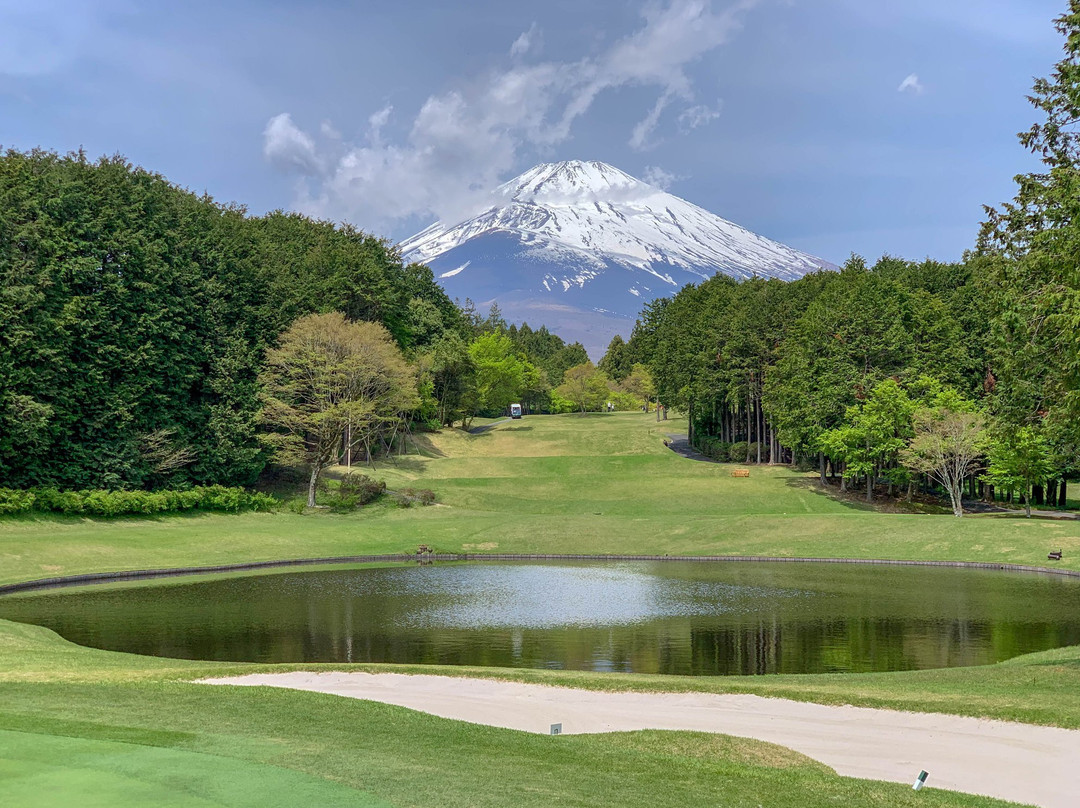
(85, 727)
(560, 484)
(134, 730)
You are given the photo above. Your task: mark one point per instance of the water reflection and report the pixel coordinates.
(671, 617)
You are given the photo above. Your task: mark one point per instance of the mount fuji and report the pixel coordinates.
(581, 246)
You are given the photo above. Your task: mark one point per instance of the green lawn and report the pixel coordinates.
(135, 731)
(560, 484)
(86, 727)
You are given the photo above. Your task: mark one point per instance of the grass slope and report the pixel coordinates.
(561, 484)
(86, 727)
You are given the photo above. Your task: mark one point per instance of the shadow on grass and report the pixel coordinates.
(426, 447)
(516, 429)
(855, 499)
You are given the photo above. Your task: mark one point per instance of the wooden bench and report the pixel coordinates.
(1056, 556)
(741, 473)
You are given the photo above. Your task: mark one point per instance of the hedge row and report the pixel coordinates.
(124, 503)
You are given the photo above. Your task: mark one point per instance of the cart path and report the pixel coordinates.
(1020, 762)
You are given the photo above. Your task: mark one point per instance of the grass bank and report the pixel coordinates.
(86, 727)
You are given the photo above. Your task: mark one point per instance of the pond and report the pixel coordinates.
(662, 617)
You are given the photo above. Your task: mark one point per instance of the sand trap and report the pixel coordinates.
(1019, 762)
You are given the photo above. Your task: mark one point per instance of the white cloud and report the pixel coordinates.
(693, 117)
(288, 148)
(911, 85)
(529, 41)
(329, 130)
(654, 175)
(639, 137)
(377, 121)
(465, 141)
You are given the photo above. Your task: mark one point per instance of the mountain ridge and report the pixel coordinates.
(588, 237)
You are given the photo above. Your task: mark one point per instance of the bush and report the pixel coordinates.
(408, 497)
(100, 502)
(354, 491)
(12, 501)
(737, 452)
(362, 487)
(714, 448)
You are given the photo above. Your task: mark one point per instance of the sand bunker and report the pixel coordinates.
(1019, 762)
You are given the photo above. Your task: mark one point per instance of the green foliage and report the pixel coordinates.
(13, 501)
(354, 491)
(873, 434)
(616, 361)
(1019, 459)
(587, 387)
(737, 452)
(331, 383)
(501, 374)
(130, 503)
(134, 317)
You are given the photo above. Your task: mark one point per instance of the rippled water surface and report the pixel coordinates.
(669, 617)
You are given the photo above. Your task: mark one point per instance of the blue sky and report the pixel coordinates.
(835, 126)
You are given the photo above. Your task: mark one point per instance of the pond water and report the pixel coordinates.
(666, 617)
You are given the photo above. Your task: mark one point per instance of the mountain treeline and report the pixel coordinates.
(136, 317)
(870, 371)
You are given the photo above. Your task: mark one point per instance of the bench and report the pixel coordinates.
(741, 473)
(1056, 556)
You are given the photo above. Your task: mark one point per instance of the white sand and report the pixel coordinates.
(1019, 762)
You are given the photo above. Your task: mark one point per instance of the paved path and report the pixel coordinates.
(1019, 762)
(680, 444)
(476, 430)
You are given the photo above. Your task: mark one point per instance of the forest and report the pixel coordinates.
(878, 374)
(136, 321)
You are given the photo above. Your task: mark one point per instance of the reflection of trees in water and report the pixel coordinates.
(293, 618)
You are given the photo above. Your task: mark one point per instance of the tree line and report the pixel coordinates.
(152, 338)
(903, 375)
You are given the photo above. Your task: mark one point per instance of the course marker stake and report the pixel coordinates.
(920, 781)
(556, 729)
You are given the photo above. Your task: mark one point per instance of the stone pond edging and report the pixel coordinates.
(175, 572)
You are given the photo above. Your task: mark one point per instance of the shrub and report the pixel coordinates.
(122, 503)
(408, 497)
(737, 452)
(12, 501)
(362, 488)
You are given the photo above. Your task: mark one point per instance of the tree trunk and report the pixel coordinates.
(1062, 502)
(1037, 494)
(821, 467)
(315, 469)
(1051, 492)
(870, 486)
(749, 434)
(690, 423)
(760, 431)
(1027, 501)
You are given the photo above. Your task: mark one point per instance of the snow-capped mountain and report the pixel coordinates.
(581, 246)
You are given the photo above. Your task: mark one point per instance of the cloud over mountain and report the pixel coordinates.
(465, 140)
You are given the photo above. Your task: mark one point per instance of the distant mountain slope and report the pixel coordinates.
(581, 245)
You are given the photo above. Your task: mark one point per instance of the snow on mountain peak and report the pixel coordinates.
(603, 215)
(572, 181)
(581, 245)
